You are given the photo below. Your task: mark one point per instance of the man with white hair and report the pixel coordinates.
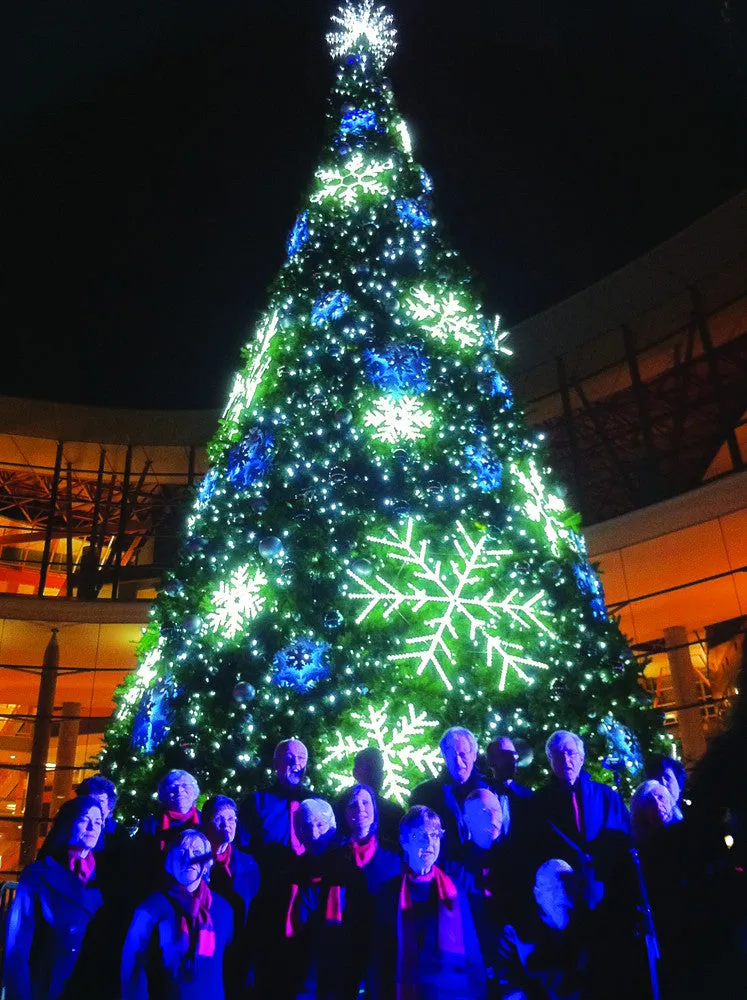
(447, 793)
(574, 808)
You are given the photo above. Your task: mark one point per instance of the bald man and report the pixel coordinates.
(266, 816)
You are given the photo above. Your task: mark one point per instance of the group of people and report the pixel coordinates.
(481, 889)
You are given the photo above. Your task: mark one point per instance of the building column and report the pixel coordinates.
(67, 747)
(40, 751)
(685, 688)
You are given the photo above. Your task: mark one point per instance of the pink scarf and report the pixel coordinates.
(332, 908)
(296, 845)
(450, 934)
(170, 818)
(363, 851)
(195, 922)
(222, 863)
(82, 867)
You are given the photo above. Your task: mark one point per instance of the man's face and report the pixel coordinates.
(87, 829)
(484, 818)
(179, 795)
(502, 757)
(290, 764)
(460, 758)
(224, 824)
(359, 814)
(669, 780)
(660, 804)
(422, 846)
(189, 862)
(566, 760)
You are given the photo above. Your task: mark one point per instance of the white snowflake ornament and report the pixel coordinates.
(237, 602)
(362, 28)
(395, 420)
(405, 754)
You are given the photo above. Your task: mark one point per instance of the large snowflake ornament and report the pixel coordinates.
(362, 28)
(452, 599)
(445, 316)
(237, 602)
(247, 382)
(407, 756)
(543, 506)
(355, 178)
(398, 419)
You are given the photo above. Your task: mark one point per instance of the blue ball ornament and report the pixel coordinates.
(333, 620)
(270, 547)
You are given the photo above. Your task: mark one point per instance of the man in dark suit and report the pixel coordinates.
(266, 816)
(447, 793)
(502, 758)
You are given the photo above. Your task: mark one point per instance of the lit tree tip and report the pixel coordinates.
(363, 28)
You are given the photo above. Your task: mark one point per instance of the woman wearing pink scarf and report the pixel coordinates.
(424, 942)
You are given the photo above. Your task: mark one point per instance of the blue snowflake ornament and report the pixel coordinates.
(485, 465)
(426, 181)
(154, 716)
(299, 235)
(414, 212)
(301, 665)
(623, 749)
(588, 582)
(207, 487)
(330, 306)
(397, 369)
(251, 458)
(493, 384)
(358, 120)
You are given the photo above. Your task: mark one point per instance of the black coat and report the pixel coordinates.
(264, 818)
(48, 922)
(239, 891)
(446, 798)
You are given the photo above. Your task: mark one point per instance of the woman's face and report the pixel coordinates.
(314, 830)
(224, 824)
(87, 829)
(179, 795)
(359, 814)
(188, 862)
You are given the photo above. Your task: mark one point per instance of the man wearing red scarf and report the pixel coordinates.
(266, 816)
(425, 942)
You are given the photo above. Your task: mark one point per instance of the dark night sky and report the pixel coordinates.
(155, 154)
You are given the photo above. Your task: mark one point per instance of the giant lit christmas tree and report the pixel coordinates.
(378, 550)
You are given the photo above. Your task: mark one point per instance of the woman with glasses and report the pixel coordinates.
(424, 940)
(176, 944)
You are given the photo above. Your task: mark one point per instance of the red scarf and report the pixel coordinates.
(450, 934)
(82, 867)
(332, 908)
(222, 862)
(296, 845)
(170, 818)
(195, 923)
(362, 852)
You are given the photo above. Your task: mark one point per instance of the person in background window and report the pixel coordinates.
(176, 945)
(56, 902)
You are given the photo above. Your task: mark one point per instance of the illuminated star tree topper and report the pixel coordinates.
(363, 27)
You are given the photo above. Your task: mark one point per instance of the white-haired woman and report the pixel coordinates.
(176, 811)
(176, 944)
(302, 958)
